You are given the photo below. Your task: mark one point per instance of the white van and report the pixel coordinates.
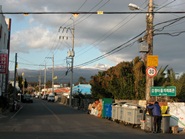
(51, 97)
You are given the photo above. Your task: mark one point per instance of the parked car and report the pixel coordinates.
(27, 98)
(51, 97)
(44, 97)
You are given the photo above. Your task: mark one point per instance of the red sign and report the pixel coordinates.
(3, 63)
(151, 71)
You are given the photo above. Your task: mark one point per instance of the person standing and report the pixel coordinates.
(156, 112)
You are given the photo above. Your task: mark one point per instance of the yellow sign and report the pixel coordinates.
(152, 60)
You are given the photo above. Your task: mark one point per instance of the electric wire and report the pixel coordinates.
(166, 5)
(83, 19)
(118, 48)
(56, 47)
(109, 33)
(170, 34)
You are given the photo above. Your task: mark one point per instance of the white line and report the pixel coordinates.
(51, 112)
(16, 112)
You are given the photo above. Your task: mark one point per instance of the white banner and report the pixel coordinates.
(177, 112)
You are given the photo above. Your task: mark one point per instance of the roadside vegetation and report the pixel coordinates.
(127, 81)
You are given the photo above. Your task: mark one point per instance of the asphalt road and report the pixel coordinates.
(44, 120)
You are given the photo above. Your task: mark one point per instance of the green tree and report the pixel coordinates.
(20, 82)
(48, 84)
(140, 78)
(181, 87)
(82, 80)
(25, 83)
(98, 86)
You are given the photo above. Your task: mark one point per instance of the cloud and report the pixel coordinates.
(100, 32)
(33, 38)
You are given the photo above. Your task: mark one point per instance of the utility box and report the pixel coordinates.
(143, 48)
(133, 114)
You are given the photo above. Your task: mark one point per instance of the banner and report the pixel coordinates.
(3, 61)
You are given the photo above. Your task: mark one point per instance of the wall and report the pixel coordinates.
(177, 112)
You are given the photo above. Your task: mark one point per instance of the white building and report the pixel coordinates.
(5, 24)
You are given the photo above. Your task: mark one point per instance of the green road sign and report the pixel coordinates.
(163, 91)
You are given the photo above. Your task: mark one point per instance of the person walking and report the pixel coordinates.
(156, 112)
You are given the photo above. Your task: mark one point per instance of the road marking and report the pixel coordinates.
(16, 112)
(58, 119)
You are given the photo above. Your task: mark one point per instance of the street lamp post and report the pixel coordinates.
(149, 40)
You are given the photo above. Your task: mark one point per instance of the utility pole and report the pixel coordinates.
(8, 47)
(149, 39)
(39, 84)
(23, 82)
(72, 61)
(71, 54)
(15, 77)
(45, 79)
(53, 75)
(52, 72)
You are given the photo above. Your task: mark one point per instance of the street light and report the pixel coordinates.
(149, 40)
(133, 6)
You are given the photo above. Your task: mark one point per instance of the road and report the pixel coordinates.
(44, 120)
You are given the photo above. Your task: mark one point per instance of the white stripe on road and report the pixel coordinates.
(16, 112)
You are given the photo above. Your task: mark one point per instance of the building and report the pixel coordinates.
(5, 24)
(84, 89)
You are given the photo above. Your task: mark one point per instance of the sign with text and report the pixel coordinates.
(151, 71)
(3, 62)
(163, 91)
(152, 60)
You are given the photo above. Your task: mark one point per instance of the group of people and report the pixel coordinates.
(155, 110)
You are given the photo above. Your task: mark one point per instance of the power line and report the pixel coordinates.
(46, 13)
(171, 34)
(120, 47)
(110, 32)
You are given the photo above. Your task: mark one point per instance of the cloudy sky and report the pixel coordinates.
(37, 37)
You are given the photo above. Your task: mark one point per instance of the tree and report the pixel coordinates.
(20, 82)
(127, 80)
(82, 80)
(160, 79)
(181, 87)
(139, 74)
(48, 84)
(117, 82)
(25, 83)
(98, 86)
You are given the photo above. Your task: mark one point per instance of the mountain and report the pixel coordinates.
(62, 75)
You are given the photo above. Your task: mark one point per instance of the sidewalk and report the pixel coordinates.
(7, 113)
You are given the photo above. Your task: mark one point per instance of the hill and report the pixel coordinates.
(60, 72)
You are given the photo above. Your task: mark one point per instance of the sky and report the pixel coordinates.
(36, 38)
